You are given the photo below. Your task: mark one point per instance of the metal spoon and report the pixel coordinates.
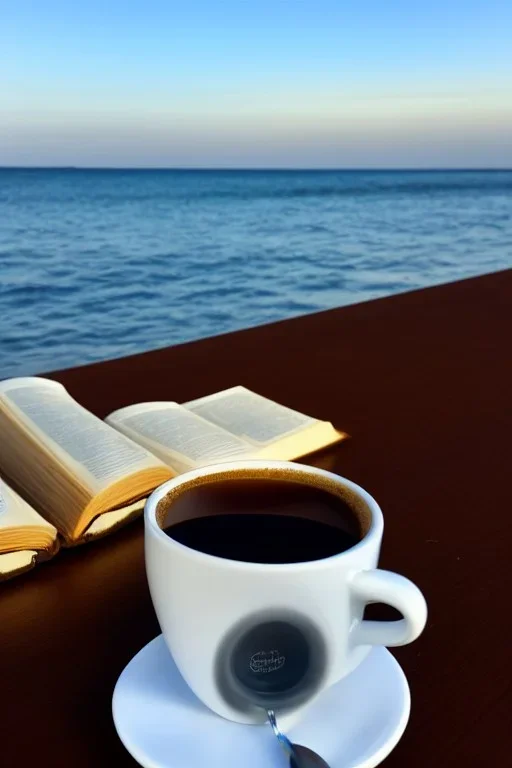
(298, 756)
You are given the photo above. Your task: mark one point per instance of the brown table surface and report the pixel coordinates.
(422, 383)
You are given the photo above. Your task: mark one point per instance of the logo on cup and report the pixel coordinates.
(264, 662)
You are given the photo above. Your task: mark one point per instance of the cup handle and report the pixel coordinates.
(377, 586)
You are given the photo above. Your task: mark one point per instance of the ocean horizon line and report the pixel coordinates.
(254, 169)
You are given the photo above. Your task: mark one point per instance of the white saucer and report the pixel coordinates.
(354, 724)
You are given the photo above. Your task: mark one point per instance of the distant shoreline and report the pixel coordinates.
(193, 169)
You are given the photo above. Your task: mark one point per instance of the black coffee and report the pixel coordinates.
(262, 521)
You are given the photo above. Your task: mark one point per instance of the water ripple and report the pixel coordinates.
(97, 264)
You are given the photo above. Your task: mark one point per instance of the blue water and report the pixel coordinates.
(100, 264)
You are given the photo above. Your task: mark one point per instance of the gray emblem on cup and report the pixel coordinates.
(271, 660)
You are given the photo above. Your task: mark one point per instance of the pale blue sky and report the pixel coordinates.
(302, 83)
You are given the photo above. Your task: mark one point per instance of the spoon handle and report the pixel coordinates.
(298, 756)
(283, 740)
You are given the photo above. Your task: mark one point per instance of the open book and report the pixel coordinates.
(83, 476)
(86, 478)
(232, 424)
(25, 536)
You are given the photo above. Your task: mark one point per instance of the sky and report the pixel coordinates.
(256, 83)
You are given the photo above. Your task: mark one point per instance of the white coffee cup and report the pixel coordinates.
(207, 606)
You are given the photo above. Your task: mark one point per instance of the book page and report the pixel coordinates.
(177, 436)
(22, 529)
(251, 417)
(110, 521)
(16, 512)
(92, 450)
(14, 563)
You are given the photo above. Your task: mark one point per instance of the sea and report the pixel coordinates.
(97, 264)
